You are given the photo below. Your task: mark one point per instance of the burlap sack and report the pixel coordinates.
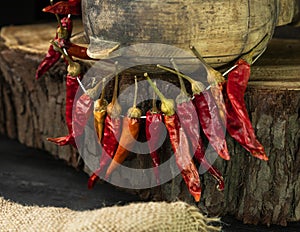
(159, 216)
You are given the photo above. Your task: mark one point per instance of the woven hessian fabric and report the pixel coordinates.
(135, 217)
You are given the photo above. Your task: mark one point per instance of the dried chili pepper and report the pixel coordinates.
(154, 120)
(190, 123)
(210, 121)
(130, 131)
(208, 115)
(238, 122)
(216, 80)
(63, 34)
(77, 51)
(83, 108)
(100, 106)
(74, 72)
(180, 145)
(111, 135)
(72, 7)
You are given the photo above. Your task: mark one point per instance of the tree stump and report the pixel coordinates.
(255, 191)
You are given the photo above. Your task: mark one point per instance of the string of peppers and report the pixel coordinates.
(218, 109)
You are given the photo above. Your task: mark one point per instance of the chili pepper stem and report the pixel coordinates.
(183, 96)
(114, 109)
(167, 105)
(73, 67)
(114, 98)
(182, 86)
(56, 15)
(197, 86)
(154, 107)
(261, 46)
(103, 91)
(59, 49)
(213, 75)
(174, 72)
(135, 91)
(134, 112)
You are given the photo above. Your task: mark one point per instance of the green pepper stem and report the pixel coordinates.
(261, 46)
(182, 86)
(154, 107)
(56, 15)
(103, 90)
(116, 85)
(174, 72)
(214, 77)
(156, 90)
(167, 105)
(198, 55)
(197, 86)
(57, 48)
(135, 91)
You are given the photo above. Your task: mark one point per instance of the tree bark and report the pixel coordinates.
(255, 191)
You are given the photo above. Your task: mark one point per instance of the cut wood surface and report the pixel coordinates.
(255, 191)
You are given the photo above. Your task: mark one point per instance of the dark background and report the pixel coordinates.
(18, 12)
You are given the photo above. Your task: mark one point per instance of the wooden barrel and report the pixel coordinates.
(220, 30)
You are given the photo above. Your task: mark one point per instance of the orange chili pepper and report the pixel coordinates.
(111, 136)
(130, 132)
(100, 106)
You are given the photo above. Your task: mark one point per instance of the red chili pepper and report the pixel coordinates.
(215, 79)
(180, 145)
(72, 7)
(111, 135)
(71, 89)
(208, 115)
(154, 120)
(238, 123)
(63, 34)
(83, 109)
(77, 51)
(190, 123)
(210, 121)
(130, 132)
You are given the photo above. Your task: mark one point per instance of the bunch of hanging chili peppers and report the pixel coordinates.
(216, 110)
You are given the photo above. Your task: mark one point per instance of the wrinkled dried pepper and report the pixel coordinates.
(238, 123)
(215, 79)
(130, 132)
(189, 121)
(208, 115)
(211, 123)
(154, 122)
(180, 145)
(72, 7)
(111, 135)
(83, 108)
(77, 51)
(63, 34)
(74, 72)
